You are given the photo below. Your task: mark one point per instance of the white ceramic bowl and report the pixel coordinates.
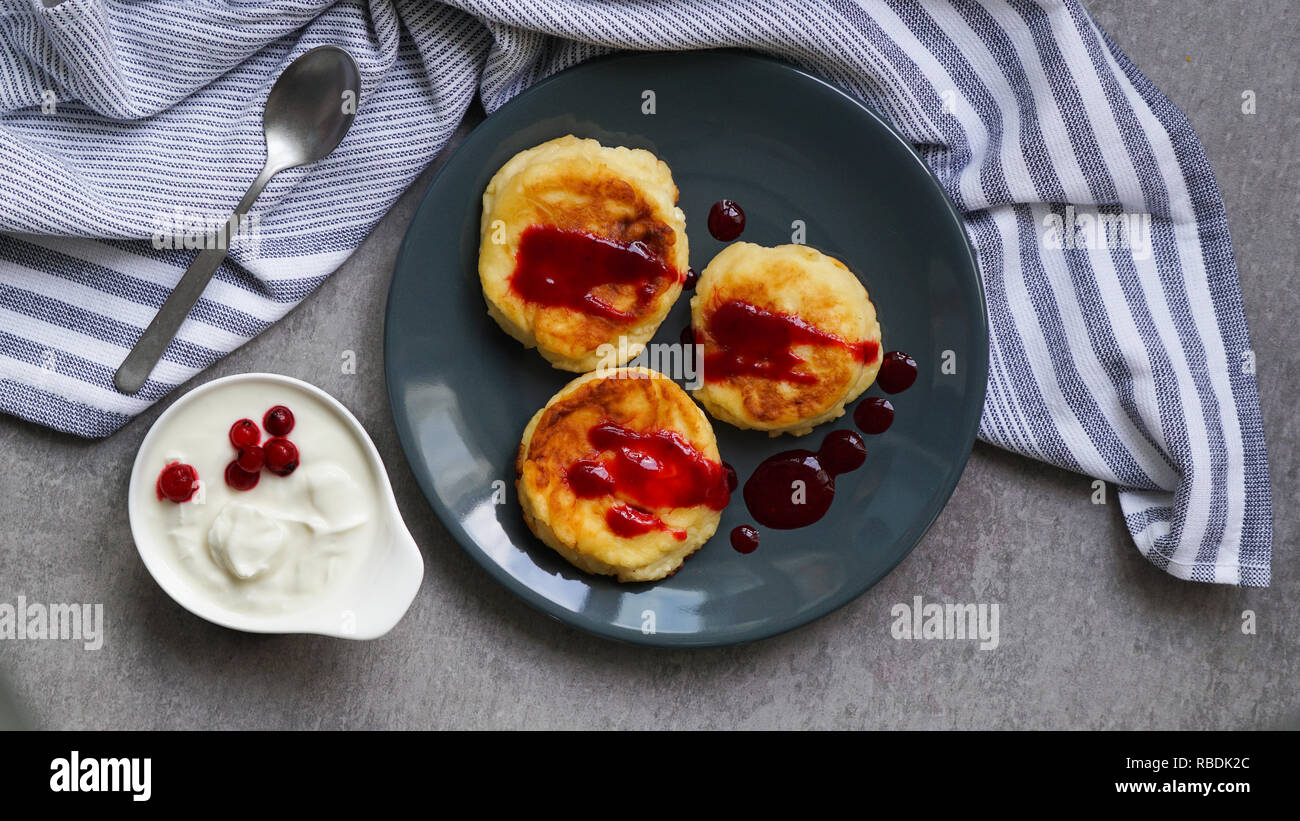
(364, 607)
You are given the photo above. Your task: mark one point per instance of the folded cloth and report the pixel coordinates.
(1124, 355)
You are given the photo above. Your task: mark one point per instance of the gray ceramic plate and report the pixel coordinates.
(787, 146)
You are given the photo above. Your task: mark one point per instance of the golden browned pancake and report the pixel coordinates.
(579, 196)
(789, 337)
(620, 474)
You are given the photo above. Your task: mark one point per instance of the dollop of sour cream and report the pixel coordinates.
(245, 540)
(288, 542)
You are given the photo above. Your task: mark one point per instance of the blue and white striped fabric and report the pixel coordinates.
(1126, 359)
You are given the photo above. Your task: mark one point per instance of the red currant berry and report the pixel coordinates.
(252, 458)
(278, 421)
(281, 456)
(240, 479)
(244, 433)
(177, 482)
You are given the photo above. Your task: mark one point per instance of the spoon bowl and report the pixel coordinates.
(310, 107)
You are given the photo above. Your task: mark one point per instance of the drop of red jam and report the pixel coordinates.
(177, 483)
(791, 489)
(281, 456)
(744, 539)
(842, 451)
(726, 220)
(874, 415)
(252, 458)
(795, 488)
(687, 336)
(692, 279)
(239, 479)
(565, 269)
(897, 372)
(629, 522)
(733, 481)
(648, 471)
(244, 433)
(278, 421)
(744, 339)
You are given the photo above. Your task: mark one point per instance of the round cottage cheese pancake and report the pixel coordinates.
(582, 246)
(620, 474)
(789, 337)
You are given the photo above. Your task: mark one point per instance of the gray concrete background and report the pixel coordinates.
(1092, 636)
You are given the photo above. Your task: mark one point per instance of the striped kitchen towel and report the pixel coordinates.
(1119, 348)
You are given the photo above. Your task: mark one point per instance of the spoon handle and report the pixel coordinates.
(139, 363)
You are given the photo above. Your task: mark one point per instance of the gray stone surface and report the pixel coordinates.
(1092, 636)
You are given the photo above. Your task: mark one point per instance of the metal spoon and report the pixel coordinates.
(307, 114)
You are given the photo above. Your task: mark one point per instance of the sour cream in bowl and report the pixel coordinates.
(258, 502)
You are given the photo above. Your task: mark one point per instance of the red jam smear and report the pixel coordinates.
(589, 479)
(563, 269)
(628, 522)
(646, 471)
(751, 341)
(795, 488)
(660, 469)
